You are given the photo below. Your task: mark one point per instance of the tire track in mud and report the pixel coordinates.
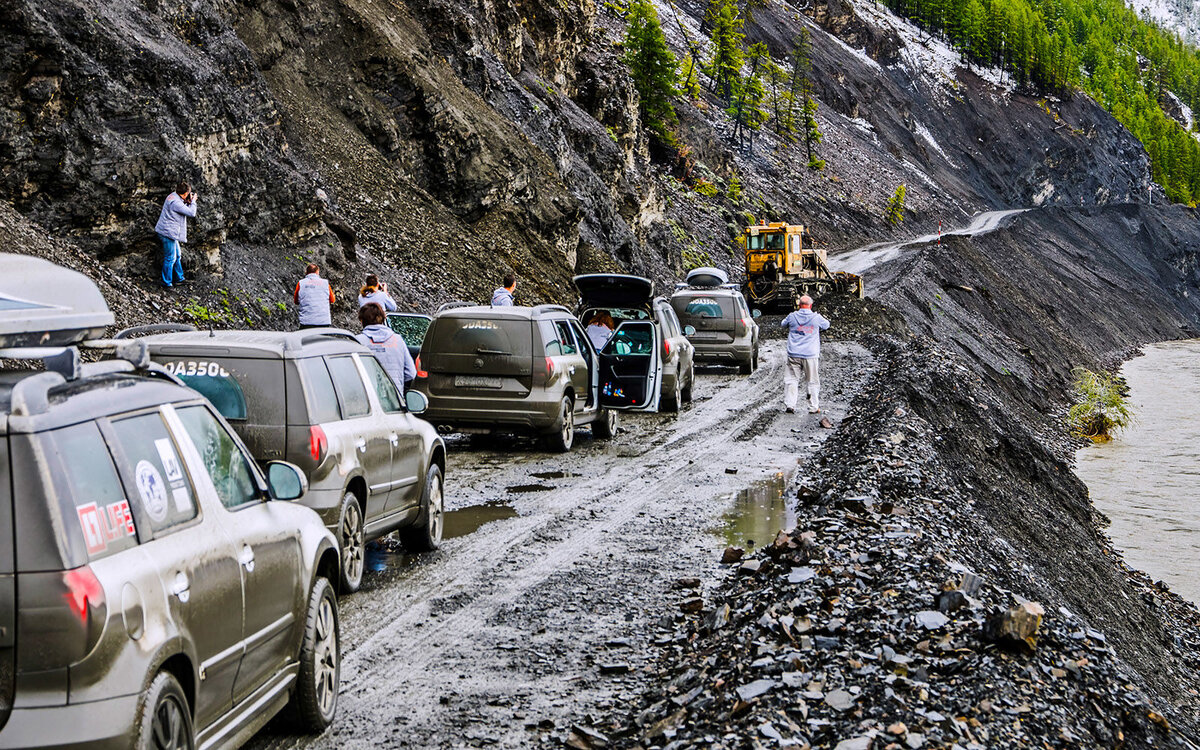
(408, 640)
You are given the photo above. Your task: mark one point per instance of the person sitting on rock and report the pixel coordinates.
(503, 297)
(387, 346)
(375, 291)
(314, 296)
(803, 355)
(172, 230)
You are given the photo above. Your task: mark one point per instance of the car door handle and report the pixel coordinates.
(181, 588)
(571, 369)
(247, 558)
(394, 438)
(361, 444)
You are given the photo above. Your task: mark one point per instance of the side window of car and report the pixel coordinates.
(670, 324)
(580, 336)
(567, 337)
(80, 461)
(224, 461)
(550, 340)
(153, 470)
(351, 393)
(318, 391)
(389, 399)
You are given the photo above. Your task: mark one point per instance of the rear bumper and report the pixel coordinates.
(494, 414)
(720, 354)
(100, 724)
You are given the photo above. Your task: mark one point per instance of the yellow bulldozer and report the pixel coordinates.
(782, 265)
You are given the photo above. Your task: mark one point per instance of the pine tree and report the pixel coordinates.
(893, 213)
(747, 108)
(653, 70)
(812, 135)
(726, 64)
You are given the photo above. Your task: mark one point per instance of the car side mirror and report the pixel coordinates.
(689, 330)
(415, 401)
(756, 313)
(285, 480)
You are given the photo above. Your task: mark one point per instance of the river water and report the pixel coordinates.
(1147, 480)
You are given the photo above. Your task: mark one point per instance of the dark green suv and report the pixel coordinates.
(321, 400)
(155, 590)
(532, 369)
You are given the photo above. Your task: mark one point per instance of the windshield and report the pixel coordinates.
(774, 241)
(411, 328)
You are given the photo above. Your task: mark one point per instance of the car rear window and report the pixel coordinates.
(476, 336)
(241, 388)
(318, 391)
(352, 394)
(213, 382)
(703, 307)
(79, 459)
(152, 468)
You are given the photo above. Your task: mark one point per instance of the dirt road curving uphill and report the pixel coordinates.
(533, 618)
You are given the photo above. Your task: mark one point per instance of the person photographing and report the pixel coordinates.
(803, 355)
(172, 230)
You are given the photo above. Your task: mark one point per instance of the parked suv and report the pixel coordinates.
(321, 400)
(154, 589)
(533, 369)
(723, 330)
(631, 298)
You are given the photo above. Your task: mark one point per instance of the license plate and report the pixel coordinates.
(477, 381)
(704, 335)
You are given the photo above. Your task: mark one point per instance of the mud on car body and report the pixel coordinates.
(532, 369)
(630, 299)
(321, 400)
(153, 582)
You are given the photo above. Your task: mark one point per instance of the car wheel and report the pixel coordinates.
(315, 699)
(686, 393)
(426, 534)
(350, 536)
(164, 718)
(563, 437)
(605, 425)
(671, 403)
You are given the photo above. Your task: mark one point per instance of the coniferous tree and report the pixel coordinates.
(653, 70)
(747, 107)
(893, 213)
(725, 67)
(812, 134)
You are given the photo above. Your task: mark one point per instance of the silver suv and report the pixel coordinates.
(154, 588)
(321, 400)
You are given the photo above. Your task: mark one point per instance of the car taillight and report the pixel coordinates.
(318, 444)
(549, 368)
(420, 373)
(84, 592)
(666, 348)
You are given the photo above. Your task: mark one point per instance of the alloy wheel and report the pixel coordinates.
(352, 543)
(326, 672)
(436, 510)
(568, 424)
(169, 730)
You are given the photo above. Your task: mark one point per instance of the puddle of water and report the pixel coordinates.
(530, 487)
(387, 554)
(758, 514)
(553, 474)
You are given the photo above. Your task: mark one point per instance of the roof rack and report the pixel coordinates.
(551, 308)
(128, 333)
(311, 335)
(455, 304)
(31, 395)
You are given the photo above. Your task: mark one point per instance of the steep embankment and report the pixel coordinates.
(945, 467)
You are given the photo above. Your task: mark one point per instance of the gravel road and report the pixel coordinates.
(541, 609)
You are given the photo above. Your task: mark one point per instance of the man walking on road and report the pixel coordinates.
(503, 297)
(314, 296)
(803, 351)
(172, 230)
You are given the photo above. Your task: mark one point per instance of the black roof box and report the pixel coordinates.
(46, 305)
(707, 277)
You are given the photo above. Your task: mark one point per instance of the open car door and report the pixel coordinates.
(631, 367)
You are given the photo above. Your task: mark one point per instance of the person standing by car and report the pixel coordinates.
(314, 296)
(387, 346)
(600, 329)
(375, 291)
(172, 230)
(803, 351)
(503, 297)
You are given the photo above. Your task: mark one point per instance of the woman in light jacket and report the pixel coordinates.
(374, 291)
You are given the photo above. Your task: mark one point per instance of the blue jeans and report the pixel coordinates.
(172, 269)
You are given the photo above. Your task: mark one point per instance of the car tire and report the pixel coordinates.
(754, 360)
(315, 698)
(164, 718)
(605, 426)
(671, 402)
(746, 366)
(352, 542)
(563, 436)
(426, 534)
(686, 393)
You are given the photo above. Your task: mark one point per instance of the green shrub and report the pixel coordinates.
(1101, 405)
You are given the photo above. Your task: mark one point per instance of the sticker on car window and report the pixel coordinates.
(170, 462)
(101, 527)
(183, 500)
(152, 490)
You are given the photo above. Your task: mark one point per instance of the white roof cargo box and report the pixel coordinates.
(45, 305)
(707, 277)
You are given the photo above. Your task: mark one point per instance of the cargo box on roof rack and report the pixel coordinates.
(46, 305)
(707, 277)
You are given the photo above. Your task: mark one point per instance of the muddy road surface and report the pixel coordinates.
(541, 608)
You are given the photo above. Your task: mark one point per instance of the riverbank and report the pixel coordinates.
(944, 502)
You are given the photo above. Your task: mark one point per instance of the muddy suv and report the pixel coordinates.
(722, 328)
(532, 369)
(631, 298)
(154, 588)
(321, 400)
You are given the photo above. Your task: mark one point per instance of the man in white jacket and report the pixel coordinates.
(803, 351)
(172, 230)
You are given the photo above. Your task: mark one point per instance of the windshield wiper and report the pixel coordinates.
(481, 350)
